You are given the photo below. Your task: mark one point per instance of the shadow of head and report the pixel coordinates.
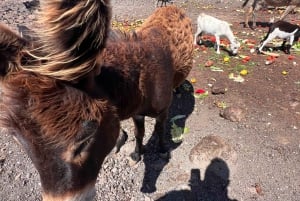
(213, 187)
(217, 175)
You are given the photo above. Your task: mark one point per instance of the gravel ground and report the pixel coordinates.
(219, 160)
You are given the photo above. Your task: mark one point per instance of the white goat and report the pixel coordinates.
(284, 30)
(211, 25)
(258, 4)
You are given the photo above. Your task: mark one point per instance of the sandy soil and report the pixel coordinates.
(256, 156)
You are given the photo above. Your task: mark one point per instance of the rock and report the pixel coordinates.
(234, 114)
(209, 148)
(2, 160)
(218, 89)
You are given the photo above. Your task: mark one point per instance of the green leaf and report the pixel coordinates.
(177, 117)
(178, 133)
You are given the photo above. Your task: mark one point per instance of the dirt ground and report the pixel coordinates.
(250, 152)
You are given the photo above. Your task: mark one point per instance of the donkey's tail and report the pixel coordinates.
(71, 34)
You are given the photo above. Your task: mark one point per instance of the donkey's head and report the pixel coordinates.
(69, 171)
(66, 133)
(65, 146)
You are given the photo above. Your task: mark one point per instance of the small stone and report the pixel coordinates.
(234, 114)
(218, 90)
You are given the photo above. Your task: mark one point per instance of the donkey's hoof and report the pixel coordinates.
(135, 156)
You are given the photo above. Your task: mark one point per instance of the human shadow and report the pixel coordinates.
(181, 107)
(212, 188)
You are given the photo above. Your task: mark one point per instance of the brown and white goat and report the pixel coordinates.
(66, 133)
(258, 4)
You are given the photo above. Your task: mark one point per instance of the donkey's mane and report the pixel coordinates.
(48, 106)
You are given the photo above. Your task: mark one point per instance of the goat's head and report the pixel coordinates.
(234, 47)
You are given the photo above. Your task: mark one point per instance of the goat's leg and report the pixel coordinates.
(282, 47)
(160, 129)
(253, 19)
(287, 11)
(290, 45)
(264, 42)
(217, 44)
(247, 14)
(139, 124)
(198, 32)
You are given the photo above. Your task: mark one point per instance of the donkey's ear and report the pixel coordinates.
(78, 151)
(11, 44)
(10, 41)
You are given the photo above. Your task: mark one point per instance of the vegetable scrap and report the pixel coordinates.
(236, 78)
(271, 57)
(275, 55)
(126, 25)
(201, 95)
(200, 91)
(177, 117)
(193, 80)
(209, 38)
(221, 104)
(226, 59)
(178, 132)
(209, 63)
(243, 72)
(245, 59)
(252, 50)
(217, 69)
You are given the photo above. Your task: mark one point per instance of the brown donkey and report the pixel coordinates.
(140, 71)
(66, 133)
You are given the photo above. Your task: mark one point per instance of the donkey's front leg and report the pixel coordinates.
(160, 129)
(139, 124)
